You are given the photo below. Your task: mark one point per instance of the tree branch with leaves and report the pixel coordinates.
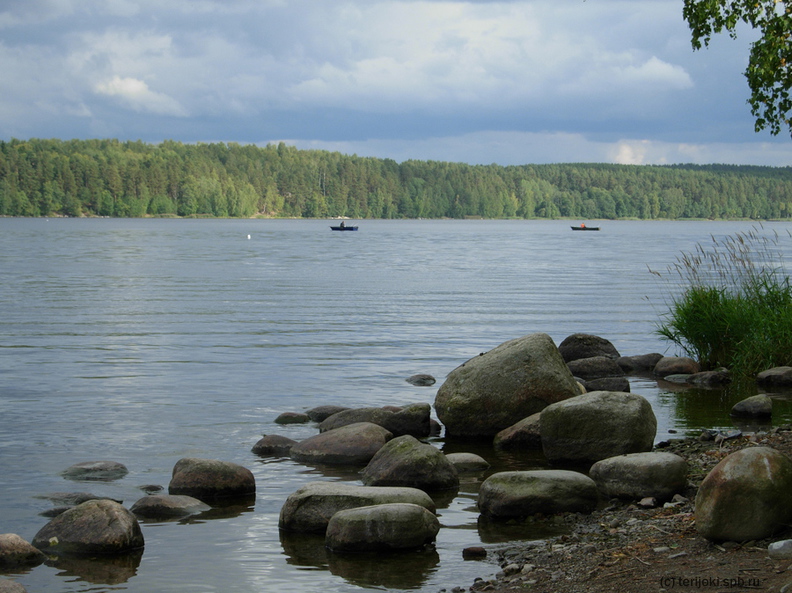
(769, 71)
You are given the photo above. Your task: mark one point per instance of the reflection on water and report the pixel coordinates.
(109, 570)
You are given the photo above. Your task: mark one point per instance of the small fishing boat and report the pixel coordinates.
(343, 227)
(583, 227)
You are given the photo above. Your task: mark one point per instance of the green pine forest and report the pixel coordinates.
(134, 179)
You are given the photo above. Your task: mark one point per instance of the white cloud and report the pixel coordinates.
(520, 148)
(137, 95)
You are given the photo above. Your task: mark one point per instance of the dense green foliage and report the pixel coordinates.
(131, 179)
(735, 309)
(769, 70)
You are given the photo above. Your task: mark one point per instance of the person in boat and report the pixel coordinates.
(582, 225)
(342, 224)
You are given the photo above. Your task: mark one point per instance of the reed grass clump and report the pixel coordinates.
(731, 304)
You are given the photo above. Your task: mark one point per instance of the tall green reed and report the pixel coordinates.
(731, 304)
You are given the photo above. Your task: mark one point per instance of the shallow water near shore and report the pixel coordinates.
(144, 341)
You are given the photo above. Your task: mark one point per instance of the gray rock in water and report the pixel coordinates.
(716, 378)
(405, 461)
(15, 552)
(273, 445)
(675, 365)
(775, 377)
(98, 471)
(167, 506)
(322, 413)
(292, 418)
(501, 387)
(352, 444)
(596, 367)
(421, 380)
(597, 425)
(381, 528)
(757, 406)
(413, 419)
(525, 434)
(657, 475)
(747, 496)
(640, 363)
(467, 462)
(211, 479)
(518, 494)
(309, 509)
(608, 384)
(96, 527)
(579, 346)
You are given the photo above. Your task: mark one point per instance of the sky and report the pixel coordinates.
(506, 82)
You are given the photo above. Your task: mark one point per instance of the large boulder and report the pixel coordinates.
(405, 461)
(352, 444)
(747, 496)
(596, 426)
(412, 419)
(15, 552)
(501, 387)
(310, 508)
(96, 527)
(596, 367)
(518, 494)
(525, 434)
(210, 479)
(168, 506)
(658, 475)
(381, 528)
(579, 346)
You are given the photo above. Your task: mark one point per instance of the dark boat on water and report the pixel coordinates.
(583, 227)
(343, 227)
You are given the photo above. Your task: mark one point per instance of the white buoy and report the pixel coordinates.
(248, 237)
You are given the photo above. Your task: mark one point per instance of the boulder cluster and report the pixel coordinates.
(572, 402)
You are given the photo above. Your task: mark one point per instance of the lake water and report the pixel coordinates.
(145, 341)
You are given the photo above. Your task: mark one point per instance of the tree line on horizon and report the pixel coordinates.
(41, 177)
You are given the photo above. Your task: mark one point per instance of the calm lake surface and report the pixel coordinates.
(145, 341)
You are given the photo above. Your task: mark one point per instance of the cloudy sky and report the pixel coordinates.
(509, 82)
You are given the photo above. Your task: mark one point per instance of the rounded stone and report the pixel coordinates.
(757, 406)
(676, 365)
(597, 425)
(310, 508)
(747, 496)
(495, 390)
(381, 528)
(210, 479)
(468, 462)
(292, 418)
(519, 494)
(579, 346)
(273, 445)
(352, 444)
(640, 475)
(96, 527)
(405, 461)
(16, 552)
(166, 506)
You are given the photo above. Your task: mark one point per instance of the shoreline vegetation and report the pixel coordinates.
(110, 178)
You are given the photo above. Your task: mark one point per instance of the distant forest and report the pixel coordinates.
(134, 179)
